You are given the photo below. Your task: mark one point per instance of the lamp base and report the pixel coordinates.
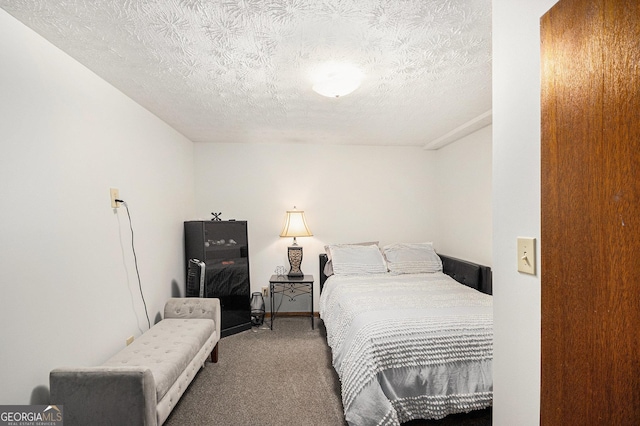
(295, 275)
(295, 260)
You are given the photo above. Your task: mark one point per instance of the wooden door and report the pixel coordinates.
(590, 239)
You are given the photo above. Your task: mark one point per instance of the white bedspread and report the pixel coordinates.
(408, 346)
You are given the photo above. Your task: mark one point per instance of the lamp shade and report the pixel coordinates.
(295, 225)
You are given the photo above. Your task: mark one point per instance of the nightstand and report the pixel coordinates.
(290, 288)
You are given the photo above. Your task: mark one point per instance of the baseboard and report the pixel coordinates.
(292, 314)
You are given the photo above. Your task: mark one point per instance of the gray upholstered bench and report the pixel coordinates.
(141, 384)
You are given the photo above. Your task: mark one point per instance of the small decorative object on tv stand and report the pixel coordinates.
(295, 225)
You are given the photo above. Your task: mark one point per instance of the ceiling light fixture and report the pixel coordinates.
(335, 79)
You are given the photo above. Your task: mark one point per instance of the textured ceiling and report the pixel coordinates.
(238, 70)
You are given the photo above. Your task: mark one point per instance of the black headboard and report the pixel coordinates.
(468, 273)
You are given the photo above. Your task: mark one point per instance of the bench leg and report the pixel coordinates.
(214, 353)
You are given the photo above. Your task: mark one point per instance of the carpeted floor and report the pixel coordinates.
(276, 378)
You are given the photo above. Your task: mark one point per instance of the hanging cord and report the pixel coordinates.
(277, 307)
(135, 259)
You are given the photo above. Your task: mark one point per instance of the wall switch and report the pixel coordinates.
(115, 195)
(265, 291)
(130, 340)
(527, 255)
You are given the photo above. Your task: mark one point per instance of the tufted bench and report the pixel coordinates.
(141, 384)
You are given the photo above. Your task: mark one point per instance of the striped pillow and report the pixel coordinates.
(357, 260)
(412, 258)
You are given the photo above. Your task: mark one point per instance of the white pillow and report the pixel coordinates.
(412, 258)
(357, 260)
(328, 267)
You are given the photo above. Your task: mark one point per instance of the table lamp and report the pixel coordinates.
(295, 225)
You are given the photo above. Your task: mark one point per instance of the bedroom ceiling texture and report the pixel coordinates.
(238, 71)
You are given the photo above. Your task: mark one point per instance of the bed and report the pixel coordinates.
(410, 331)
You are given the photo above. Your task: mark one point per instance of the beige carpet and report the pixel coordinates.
(264, 377)
(276, 378)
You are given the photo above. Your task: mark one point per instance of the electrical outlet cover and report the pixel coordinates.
(115, 195)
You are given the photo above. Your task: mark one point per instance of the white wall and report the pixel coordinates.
(463, 193)
(516, 208)
(69, 288)
(349, 194)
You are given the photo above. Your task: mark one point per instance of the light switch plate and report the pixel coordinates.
(527, 255)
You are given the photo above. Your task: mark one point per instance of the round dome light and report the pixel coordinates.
(335, 79)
